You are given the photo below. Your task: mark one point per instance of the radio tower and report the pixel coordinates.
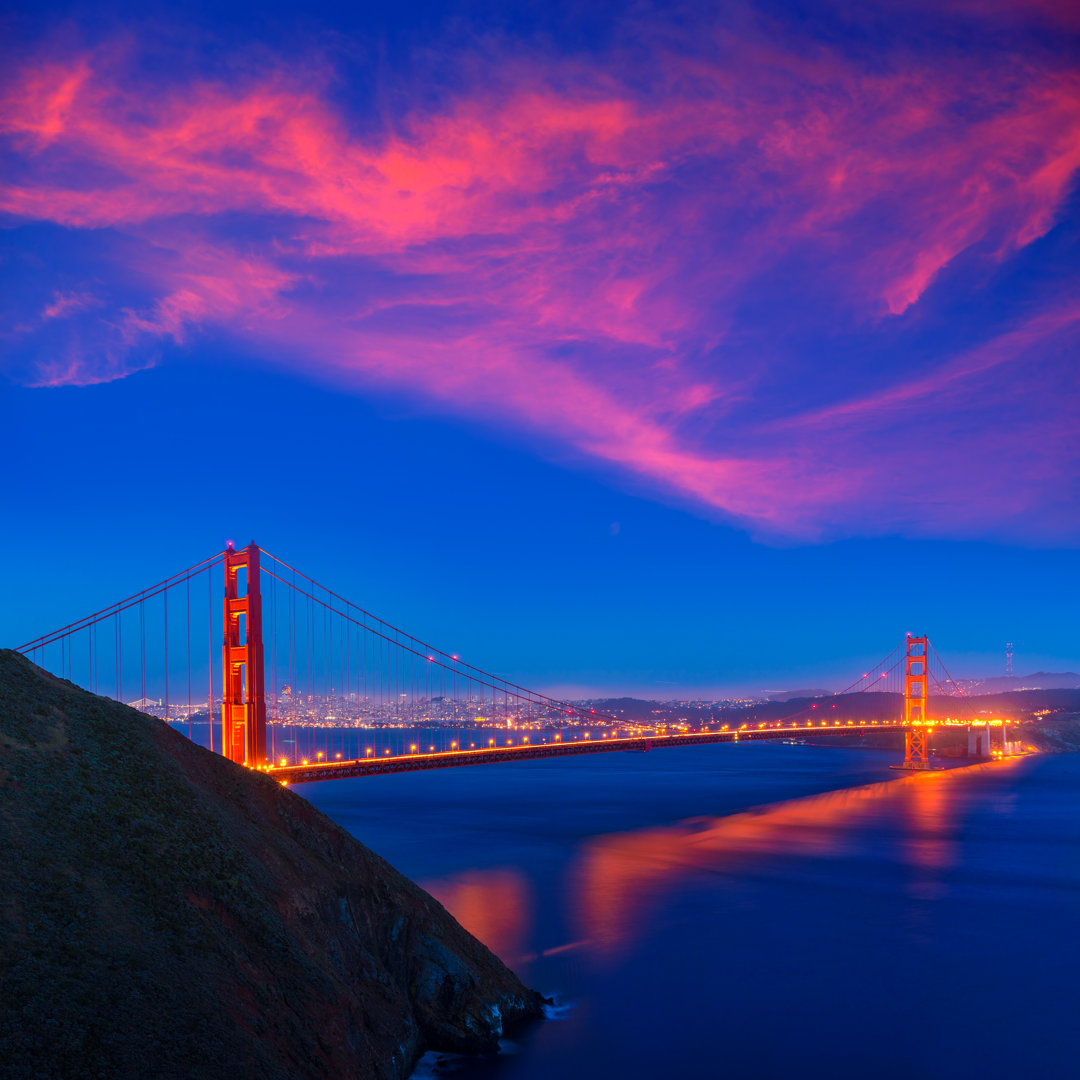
(1008, 658)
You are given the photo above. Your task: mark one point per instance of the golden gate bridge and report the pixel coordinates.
(300, 668)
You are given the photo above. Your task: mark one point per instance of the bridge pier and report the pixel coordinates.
(978, 741)
(981, 740)
(917, 748)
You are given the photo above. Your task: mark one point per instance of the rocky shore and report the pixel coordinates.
(166, 913)
(1054, 735)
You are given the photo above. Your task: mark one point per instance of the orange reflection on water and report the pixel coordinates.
(619, 879)
(493, 905)
(924, 801)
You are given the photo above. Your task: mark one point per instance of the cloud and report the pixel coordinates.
(628, 259)
(950, 379)
(63, 305)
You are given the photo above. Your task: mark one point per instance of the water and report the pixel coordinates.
(756, 910)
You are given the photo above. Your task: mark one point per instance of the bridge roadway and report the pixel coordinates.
(449, 759)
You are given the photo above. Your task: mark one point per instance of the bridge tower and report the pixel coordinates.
(916, 731)
(243, 703)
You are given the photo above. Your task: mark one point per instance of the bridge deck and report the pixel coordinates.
(449, 759)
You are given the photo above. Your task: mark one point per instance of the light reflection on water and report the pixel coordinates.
(800, 937)
(619, 877)
(494, 905)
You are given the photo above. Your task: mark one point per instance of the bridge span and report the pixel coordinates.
(309, 772)
(291, 653)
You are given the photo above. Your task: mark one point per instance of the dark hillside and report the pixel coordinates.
(1016, 705)
(165, 913)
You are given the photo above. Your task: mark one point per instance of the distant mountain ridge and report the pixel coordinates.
(792, 695)
(1041, 680)
(1024, 702)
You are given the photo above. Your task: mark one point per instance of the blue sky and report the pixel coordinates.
(654, 350)
(540, 571)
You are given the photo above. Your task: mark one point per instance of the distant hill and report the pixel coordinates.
(165, 913)
(1041, 680)
(792, 695)
(863, 706)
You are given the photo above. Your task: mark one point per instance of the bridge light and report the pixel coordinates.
(282, 761)
(304, 761)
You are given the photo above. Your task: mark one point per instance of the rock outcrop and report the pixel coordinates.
(166, 913)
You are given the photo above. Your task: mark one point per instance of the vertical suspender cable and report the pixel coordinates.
(273, 666)
(189, 657)
(210, 649)
(142, 652)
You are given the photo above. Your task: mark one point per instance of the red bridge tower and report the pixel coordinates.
(916, 733)
(243, 704)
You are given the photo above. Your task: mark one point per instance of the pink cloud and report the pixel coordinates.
(558, 249)
(212, 285)
(63, 305)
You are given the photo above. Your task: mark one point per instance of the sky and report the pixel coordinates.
(650, 348)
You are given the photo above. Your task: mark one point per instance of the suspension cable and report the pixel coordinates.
(483, 677)
(121, 605)
(426, 647)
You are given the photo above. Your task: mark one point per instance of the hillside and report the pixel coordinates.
(1040, 680)
(1016, 704)
(165, 913)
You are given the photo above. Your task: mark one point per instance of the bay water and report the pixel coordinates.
(758, 910)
